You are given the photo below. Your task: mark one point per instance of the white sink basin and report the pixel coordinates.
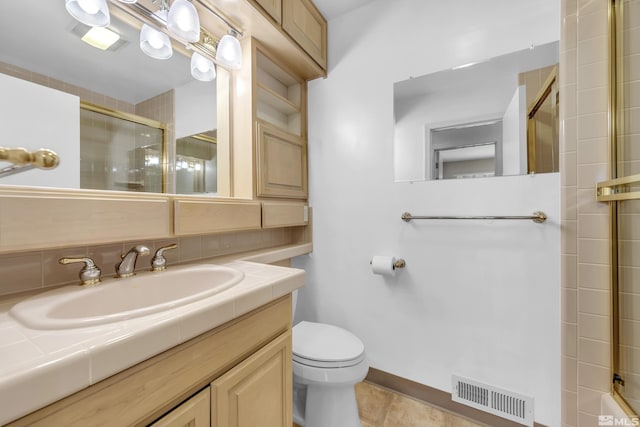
(120, 299)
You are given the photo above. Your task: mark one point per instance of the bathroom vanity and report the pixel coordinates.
(225, 359)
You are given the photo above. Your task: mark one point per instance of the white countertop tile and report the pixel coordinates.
(38, 367)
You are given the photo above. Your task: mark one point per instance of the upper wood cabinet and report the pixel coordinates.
(273, 8)
(303, 22)
(281, 163)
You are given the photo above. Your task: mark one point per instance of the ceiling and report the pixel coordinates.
(331, 9)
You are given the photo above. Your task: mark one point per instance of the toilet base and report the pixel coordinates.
(331, 406)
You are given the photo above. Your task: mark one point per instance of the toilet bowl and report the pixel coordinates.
(327, 362)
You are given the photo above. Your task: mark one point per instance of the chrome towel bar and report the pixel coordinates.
(537, 217)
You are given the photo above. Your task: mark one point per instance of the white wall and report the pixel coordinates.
(195, 108)
(34, 117)
(514, 134)
(480, 299)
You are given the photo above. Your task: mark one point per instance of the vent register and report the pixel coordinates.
(503, 403)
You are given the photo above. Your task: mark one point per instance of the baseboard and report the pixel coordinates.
(435, 397)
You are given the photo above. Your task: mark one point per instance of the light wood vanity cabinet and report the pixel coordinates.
(236, 372)
(257, 392)
(195, 412)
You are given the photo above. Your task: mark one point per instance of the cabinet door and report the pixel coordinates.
(281, 163)
(304, 23)
(273, 8)
(195, 412)
(257, 392)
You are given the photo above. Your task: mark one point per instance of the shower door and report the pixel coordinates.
(622, 192)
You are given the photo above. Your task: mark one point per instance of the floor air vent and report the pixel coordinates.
(503, 403)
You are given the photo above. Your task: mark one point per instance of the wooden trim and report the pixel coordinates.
(143, 393)
(435, 397)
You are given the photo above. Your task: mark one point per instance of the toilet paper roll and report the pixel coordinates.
(384, 265)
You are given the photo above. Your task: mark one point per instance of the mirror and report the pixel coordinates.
(53, 75)
(476, 120)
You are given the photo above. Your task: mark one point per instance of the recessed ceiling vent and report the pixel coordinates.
(496, 401)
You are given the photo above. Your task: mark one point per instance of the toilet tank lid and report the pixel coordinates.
(322, 342)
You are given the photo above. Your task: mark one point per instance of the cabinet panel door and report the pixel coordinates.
(273, 8)
(304, 23)
(281, 163)
(195, 412)
(257, 392)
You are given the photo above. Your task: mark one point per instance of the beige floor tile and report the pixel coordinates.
(373, 402)
(406, 412)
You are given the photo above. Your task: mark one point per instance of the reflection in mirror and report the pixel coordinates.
(196, 163)
(48, 81)
(467, 151)
(490, 102)
(120, 151)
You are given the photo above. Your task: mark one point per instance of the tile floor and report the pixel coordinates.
(380, 407)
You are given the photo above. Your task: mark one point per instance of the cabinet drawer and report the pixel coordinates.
(281, 163)
(197, 216)
(304, 23)
(287, 214)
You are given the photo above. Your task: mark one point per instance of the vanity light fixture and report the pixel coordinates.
(229, 52)
(202, 68)
(94, 13)
(154, 43)
(183, 21)
(100, 37)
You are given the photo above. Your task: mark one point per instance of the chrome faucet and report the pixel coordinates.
(159, 262)
(127, 266)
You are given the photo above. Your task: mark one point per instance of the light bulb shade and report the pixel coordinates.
(229, 52)
(154, 43)
(183, 21)
(94, 13)
(202, 68)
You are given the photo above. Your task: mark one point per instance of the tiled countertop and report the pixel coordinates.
(38, 367)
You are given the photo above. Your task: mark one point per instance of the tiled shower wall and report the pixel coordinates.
(584, 88)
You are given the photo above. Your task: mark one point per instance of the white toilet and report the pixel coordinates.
(327, 362)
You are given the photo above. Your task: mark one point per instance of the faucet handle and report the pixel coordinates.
(89, 274)
(159, 262)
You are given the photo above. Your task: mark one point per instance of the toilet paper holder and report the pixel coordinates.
(400, 263)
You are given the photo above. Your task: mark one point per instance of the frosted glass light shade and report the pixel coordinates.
(183, 21)
(154, 43)
(202, 68)
(94, 13)
(229, 52)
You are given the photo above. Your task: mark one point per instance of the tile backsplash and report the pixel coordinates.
(27, 271)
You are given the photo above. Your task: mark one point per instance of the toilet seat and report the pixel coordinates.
(325, 346)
